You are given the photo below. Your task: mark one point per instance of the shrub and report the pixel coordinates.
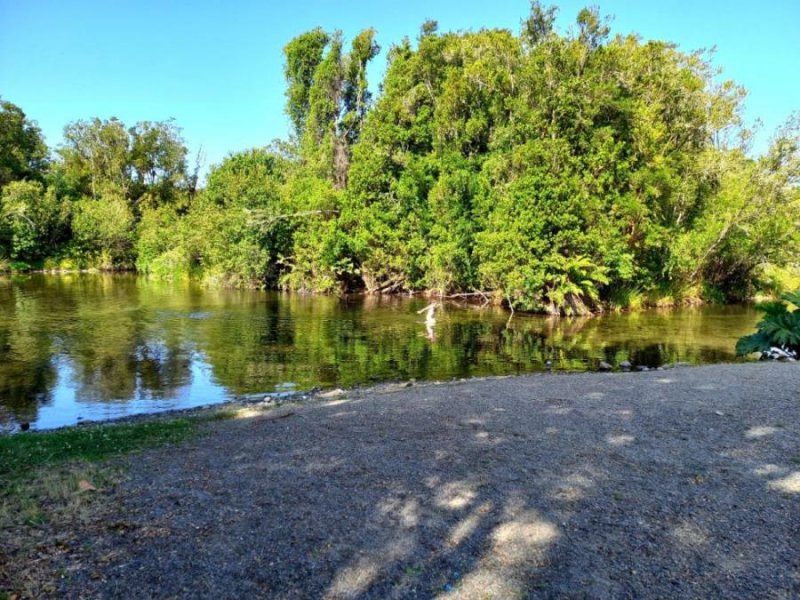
(779, 328)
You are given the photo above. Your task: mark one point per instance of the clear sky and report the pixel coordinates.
(216, 67)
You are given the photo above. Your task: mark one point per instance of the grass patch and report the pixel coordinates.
(23, 452)
(626, 298)
(53, 482)
(219, 415)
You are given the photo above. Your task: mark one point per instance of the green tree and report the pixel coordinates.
(96, 157)
(103, 231)
(33, 222)
(327, 98)
(303, 55)
(752, 219)
(23, 153)
(158, 161)
(539, 23)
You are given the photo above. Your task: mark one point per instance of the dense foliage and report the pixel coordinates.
(779, 329)
(552, 172)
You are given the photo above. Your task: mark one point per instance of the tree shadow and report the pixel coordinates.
(457, 491)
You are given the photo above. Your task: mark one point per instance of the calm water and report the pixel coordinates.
(101, 346)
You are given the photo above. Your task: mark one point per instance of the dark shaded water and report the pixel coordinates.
(103, 346)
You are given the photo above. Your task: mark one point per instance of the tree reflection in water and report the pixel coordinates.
(98, 346)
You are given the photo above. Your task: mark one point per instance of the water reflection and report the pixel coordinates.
(101, 346)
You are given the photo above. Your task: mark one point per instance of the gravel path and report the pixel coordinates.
(668, 484)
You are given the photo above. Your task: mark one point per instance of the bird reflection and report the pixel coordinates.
(430, 320)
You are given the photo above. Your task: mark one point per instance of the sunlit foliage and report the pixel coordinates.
(555, 172)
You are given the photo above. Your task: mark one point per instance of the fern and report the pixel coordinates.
(792, 298)
(755, 342)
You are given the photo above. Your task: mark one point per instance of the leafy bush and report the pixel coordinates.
(780, 327)
(33, 221)
(103, 230)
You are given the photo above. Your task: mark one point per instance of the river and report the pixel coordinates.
(95, 346)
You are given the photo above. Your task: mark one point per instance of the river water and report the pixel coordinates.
(86, 347)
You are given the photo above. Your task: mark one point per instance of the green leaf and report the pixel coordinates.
(756, 342)
(792, 298)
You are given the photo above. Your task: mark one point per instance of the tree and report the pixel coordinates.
(327, 98)
(752, 220)
(35, 222)
(553, 171)
(234, 232)
(23, 153)
(145, 163)
(96, 157)
(539, 24)
(158, 160)
(303, 56)
(103, 231)
(593, 30)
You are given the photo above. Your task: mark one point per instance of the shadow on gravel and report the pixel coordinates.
(471, 497)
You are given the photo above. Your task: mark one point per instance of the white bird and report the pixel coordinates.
(430, 320)
(430, 317)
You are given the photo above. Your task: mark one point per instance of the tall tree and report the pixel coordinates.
(303, 56)
(327, 97)
(158, 160)
(96, 157)
(539, 23)
(23, 153)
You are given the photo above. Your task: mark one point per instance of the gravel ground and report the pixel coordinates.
(682, 483)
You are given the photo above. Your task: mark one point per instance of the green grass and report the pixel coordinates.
(44, 477)
(22, 453)
(626, 298)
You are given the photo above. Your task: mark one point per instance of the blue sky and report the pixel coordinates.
(216, 67)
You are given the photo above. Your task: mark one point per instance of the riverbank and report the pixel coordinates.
(660, 484)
